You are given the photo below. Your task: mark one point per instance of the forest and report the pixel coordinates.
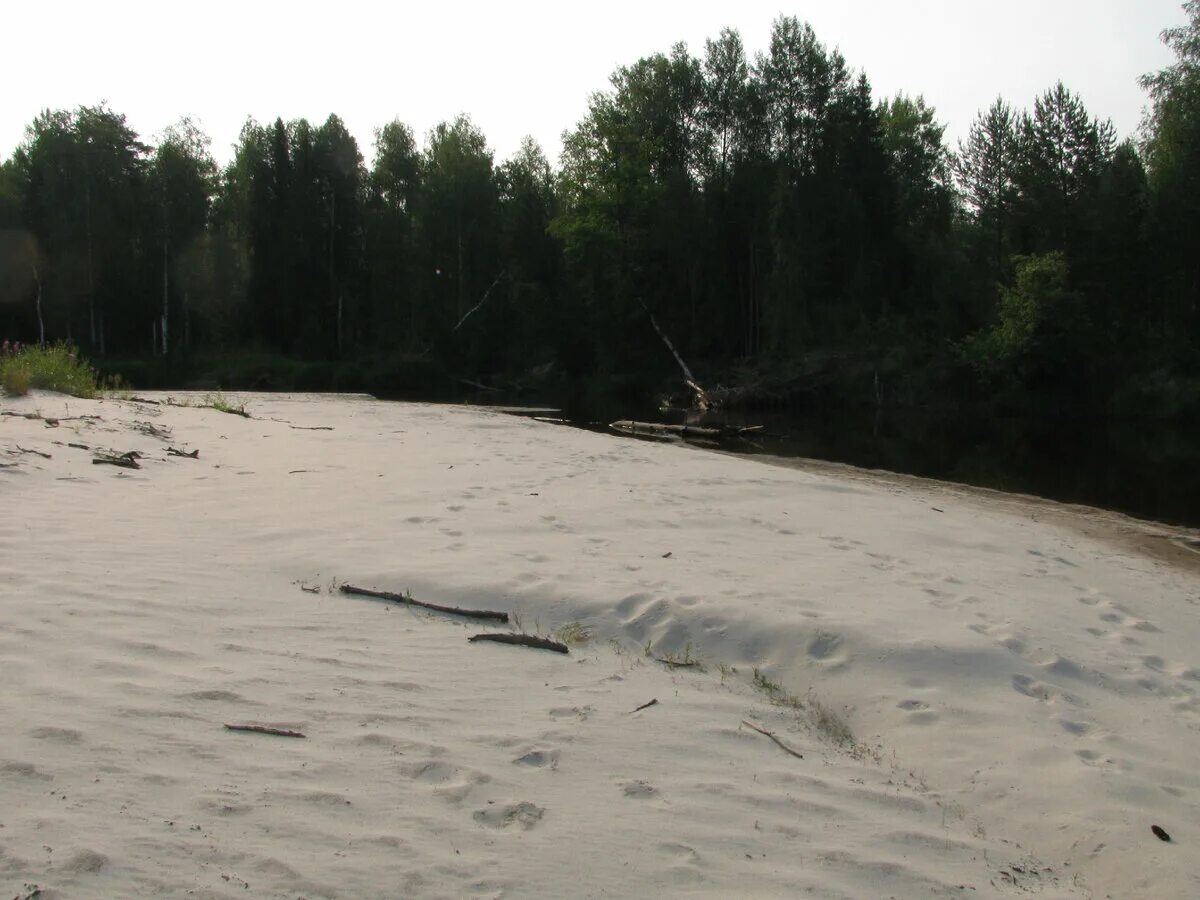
(798, 239)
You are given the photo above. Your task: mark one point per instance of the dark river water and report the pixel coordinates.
(1147, 470)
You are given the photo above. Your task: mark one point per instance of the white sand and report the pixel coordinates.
(1025, 700)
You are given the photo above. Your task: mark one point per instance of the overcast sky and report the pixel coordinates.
(528, 67)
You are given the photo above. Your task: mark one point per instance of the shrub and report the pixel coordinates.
(53, 368)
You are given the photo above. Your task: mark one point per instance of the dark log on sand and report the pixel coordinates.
(409, 601)
(264, 729)
(522, 640)
(124, 461)
(687, 432)
(195, 454)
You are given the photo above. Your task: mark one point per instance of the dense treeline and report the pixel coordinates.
(772, 215)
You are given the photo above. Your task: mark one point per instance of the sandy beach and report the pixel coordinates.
(981, 695)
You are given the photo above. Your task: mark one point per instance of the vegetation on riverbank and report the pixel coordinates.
(799, 239)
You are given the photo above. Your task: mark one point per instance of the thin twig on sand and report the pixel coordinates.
(521, 640)
(772, 736)
(265, 729)
(653, 702)
(491, 615)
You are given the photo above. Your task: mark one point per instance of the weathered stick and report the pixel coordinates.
(34, 452)
(312, 427)
(8, 412)
(195, 454)
(125, 462)
(263, 729)
(653, 702)
(678, 663)
(771, 735)
(522, 640)
(144, 400)
(408, 601)
(658, 429)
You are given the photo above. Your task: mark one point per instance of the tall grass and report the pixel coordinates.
(57, 367)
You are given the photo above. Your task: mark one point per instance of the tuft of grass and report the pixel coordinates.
(824, 718)
(57, 367)
(221, 403)
(572, 634)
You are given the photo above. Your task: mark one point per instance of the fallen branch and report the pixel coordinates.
(480, 303)
(522, 640)
(35, 452)
(143, 400)
(701, 399)
(263, 729)
(688, 432)
(195, 454)
(678, 663)
(653, 702)
(772, 736)
(149, 428)
(312, 427)
(8, 412)
(125, 461)
(310, 589)
(409, 601)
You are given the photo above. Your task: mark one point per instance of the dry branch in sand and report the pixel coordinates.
(125, 460)
(772, 736)
(171, 451)
(264, 729)
(522, 640)
(34, 452)
(311, 427)
(651, 703)
(409, 601)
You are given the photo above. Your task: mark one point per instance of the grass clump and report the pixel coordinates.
(57, 367)
(221, 403)
(572, 634)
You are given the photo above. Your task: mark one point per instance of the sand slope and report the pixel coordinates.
(1023, 699)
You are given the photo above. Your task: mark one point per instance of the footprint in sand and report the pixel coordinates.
(539, 759)
(639, 790)
(523, 814)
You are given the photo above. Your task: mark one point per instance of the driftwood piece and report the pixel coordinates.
(772, 736)
(34, 452)
(125, 460)
(143, 400)
(19, 415)
(678, 663)
(687, 432)
(195, 454)
(653, 702)
(264, 729)
(311, 427)
(408, 601)
(159, 431)
(522, 640)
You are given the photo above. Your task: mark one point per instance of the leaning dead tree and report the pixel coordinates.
(700, 398)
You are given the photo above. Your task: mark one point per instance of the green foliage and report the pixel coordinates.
(57, 367)
(766, 212)
(1040, 325)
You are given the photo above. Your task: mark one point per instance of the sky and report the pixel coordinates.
(522, 68)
